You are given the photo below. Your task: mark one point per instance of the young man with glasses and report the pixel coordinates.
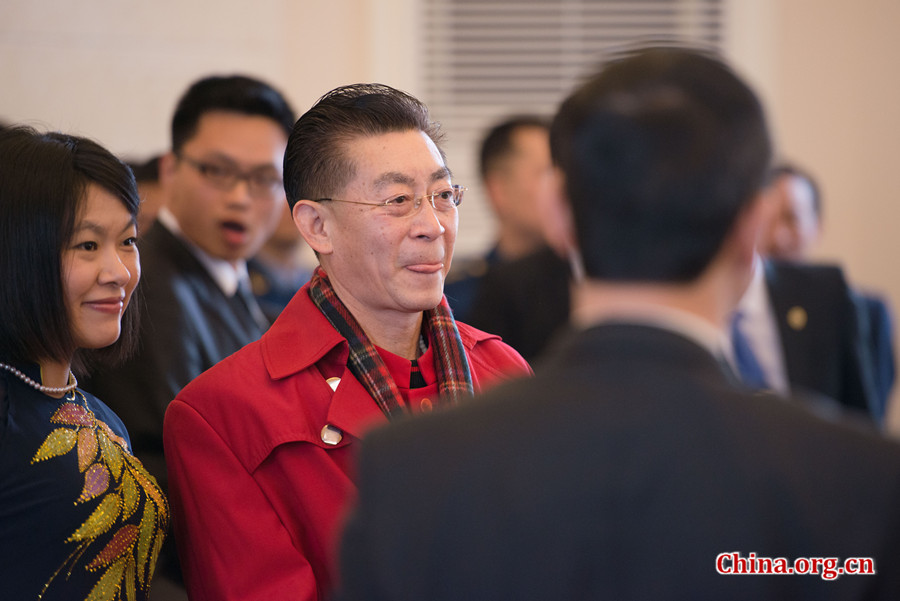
(261, 448)
(223, 183)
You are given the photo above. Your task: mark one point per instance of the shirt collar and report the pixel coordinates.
(401, 367)
(226, 275)
(680, 322)
(755, 300)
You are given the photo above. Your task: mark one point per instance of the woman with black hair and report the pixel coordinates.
(80, 518)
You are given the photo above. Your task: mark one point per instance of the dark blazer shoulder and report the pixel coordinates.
(165, 257)
(806, 277)
(818, 320)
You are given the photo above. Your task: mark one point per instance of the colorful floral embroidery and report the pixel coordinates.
(121, 486)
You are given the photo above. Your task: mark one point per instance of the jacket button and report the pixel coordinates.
(331, 435)
(797, 318)
(425, 405)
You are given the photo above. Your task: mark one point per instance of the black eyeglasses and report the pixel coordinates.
(262, 183)
(443, 201)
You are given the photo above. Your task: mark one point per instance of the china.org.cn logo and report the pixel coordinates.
(828, 568)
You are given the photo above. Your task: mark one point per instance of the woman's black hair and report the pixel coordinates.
(44, 178)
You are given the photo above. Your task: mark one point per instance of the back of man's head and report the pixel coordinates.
(233, 93)
(316, 163)
(660, 152)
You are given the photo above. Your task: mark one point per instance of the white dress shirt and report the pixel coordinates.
(227, 276)
(761, 330)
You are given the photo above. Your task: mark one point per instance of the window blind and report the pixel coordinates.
(483, 60)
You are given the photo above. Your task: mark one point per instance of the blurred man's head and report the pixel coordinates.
(372, 195)
(796, 222)
(223, 177)
(515, 160)
(146, 174)
(661, 152)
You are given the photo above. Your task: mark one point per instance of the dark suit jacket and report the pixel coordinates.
(820, 332)
(524, 301)
(878, 331)
(621, 471)
(465, 279)
(187, 326)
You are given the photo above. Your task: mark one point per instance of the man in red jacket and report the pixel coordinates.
(260, 448)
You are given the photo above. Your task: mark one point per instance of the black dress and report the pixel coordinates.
(79, 516)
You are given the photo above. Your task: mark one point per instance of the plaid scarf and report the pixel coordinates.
(454, 379)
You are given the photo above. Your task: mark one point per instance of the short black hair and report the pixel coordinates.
(661, 150)
(42, 193)
(146, 171)
(316, 163)
(498, 142)
(782, 169)
(231, 93)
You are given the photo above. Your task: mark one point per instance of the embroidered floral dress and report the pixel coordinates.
(80, 517)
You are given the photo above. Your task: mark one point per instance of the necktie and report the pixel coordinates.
(748, 366)
(246, 295)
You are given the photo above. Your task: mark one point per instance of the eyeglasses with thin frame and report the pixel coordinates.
(261, 183)
(401, 205)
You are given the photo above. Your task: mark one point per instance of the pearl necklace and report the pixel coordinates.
(45, 389)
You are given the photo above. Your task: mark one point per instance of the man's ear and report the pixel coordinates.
(750, 224)
(167, 165)
(495, 187)
(556, 214)
(312, 219)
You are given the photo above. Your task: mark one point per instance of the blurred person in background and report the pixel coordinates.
(224, 193)
(808, 328)
(520, 290)
(280, 267)
(796, 223)
(153, 197)
(513, 159)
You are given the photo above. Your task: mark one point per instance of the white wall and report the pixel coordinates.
(839, 113)
(113, 70)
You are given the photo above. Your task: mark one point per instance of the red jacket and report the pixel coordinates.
(257, 494)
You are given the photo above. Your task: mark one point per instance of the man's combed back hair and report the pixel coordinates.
(316, 162)
(661, 150)
(231, 93)
(44, 182)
